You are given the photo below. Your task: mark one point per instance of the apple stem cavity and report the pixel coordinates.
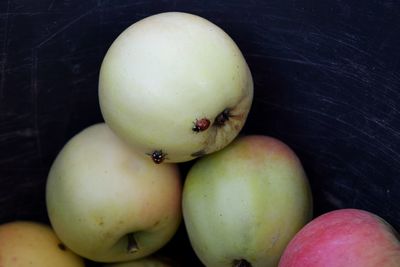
(241, 263)
(132, 244)
(222, 117)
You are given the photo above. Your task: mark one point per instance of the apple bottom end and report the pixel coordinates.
(241, 263)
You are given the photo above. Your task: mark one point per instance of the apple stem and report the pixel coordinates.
(132, 244)
(241, 263)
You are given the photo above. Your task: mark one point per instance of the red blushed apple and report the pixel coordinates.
(344, 238)
(243, 204)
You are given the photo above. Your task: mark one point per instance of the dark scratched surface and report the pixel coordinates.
(326, 75)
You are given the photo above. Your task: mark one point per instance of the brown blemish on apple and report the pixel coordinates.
(230, 117)
(225, 127)
(222, 118)
(99, 221)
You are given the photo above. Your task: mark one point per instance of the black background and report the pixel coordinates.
(326, 75)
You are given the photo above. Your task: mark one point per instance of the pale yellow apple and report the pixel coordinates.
(243, 204)
(150, 261)
(175, 84)
(107, 202)
(33, 244)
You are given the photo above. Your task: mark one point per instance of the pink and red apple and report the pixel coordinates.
(344, 238)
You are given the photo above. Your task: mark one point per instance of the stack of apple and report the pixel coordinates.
(174, 88)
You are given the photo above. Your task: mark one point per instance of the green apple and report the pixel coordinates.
(29, 243)
(175, 86)
(150, 261)
(107, 202)
(243, 204)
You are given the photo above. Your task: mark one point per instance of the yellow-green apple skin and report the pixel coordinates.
(243, 204)
(33, 244)
(166, 81)
(100, 194)
(150, 261)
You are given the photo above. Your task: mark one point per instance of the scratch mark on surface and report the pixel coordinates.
(340, 41)
(35, 93)
(303, 61)
(64, 28)
(372, 140)
(51, 5)
(3, 54)
(23, 13)
(333, 199)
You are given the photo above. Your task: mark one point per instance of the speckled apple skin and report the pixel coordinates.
(344, 238)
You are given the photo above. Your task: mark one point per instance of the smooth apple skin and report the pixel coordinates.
(29, 243)
(165, 72)
(99, 190)
(246, 202)
(344, 238)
